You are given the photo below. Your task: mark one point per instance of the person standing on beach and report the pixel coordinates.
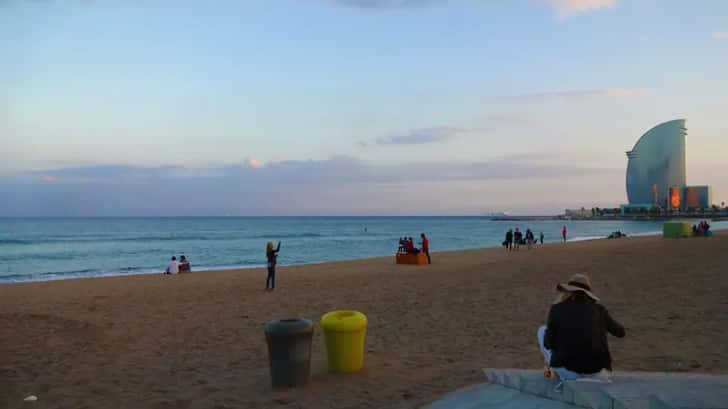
(574, 339)
(426, 247)
(173, 267)
(563, 233)
(529, 238)
(272, 256)
(509, 239)
(517, 238)
(540, 237)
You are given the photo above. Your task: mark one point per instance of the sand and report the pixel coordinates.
(196, 340)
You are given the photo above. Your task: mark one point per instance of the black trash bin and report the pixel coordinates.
(289, 351)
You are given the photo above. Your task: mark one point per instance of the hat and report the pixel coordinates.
(578, 282)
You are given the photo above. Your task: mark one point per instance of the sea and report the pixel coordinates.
(40, 249)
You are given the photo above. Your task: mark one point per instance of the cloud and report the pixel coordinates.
(254, 163)
(564, 8)
(576, 94)
(568, 8)
(577, 158)
(720, 35)
(382, 5)
(508, 119)
(420, 136)
(339, 185)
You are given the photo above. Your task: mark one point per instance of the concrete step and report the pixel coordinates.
(628, 390)
(494, 396)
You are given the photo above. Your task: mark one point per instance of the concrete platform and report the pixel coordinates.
(528, 389)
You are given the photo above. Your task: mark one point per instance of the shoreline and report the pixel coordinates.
(261, 266)
(666, 218)
(42, 252)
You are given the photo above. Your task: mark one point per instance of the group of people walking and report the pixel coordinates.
(407, 246)
(514, 239)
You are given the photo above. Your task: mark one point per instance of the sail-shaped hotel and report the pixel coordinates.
(657, 174)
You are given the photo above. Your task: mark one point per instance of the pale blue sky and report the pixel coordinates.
(383, 86)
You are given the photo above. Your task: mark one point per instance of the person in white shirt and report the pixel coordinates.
(173, 267)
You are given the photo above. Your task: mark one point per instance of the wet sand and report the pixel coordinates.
(196, 340)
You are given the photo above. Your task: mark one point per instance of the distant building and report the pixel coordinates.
(578, 213)
(656, 172)
(698, 197)
(656, 164)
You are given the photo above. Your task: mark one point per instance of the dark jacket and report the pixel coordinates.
(272, 255)
(576, 333)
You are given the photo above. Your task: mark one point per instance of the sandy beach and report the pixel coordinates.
(196, 340)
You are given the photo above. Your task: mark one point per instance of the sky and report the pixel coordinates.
(349, 107)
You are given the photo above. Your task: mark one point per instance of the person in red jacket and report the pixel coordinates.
(563, 233)
(409, 245)
(426, 247)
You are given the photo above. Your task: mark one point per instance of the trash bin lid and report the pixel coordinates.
(344, 321)
(289, 326)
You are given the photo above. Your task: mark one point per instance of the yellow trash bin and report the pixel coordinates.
(344, 333)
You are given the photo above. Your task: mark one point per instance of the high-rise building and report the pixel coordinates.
(656, 172)
(657, 165)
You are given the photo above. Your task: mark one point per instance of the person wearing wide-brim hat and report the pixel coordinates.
(574, 339)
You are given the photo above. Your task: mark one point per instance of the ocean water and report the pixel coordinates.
(57, 248)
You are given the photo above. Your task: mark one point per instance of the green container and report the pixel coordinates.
(677, 230)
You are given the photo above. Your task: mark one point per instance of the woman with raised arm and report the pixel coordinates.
(272, 256)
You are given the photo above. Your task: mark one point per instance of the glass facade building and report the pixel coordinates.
(657, 164)
(698, 197)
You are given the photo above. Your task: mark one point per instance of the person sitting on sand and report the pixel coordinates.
(411, 246)
(700, 230)
(574, 339)
(272, 256)
(401, 248)
(614, 235)
(706, 228)
(173, 267)
(407, 245)
(184, 264)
